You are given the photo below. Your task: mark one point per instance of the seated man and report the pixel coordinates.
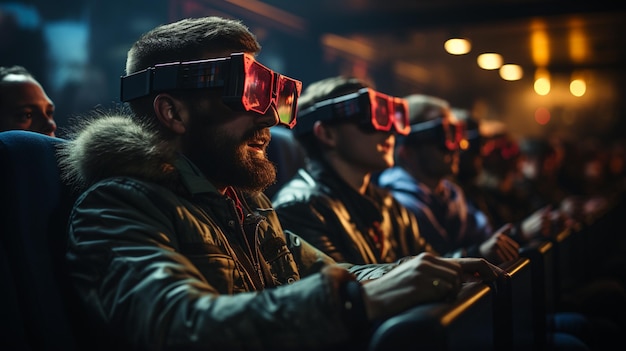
(426, 160)
(348, 131)
(24, 103)
(173, 245)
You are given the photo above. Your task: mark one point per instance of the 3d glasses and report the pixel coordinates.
(500, 147)
(472, 140)
(441, 131)
(246, 84)
(372, 110)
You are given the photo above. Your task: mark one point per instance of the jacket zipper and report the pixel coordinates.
(249, 258)
(254, 219)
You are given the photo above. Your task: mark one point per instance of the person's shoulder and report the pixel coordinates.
(405, 202)
(395, 178)
(129, 188)
(390, 197)
(292, 195)
(299, 188)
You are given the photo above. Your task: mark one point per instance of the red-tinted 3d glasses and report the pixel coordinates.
(246, 84)
(500, 147)
(372, 110)
(441, 131)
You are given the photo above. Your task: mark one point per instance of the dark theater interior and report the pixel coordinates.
(558, 73)
(398, 45)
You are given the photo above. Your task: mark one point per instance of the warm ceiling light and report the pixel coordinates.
(539, 43)
(542, 81)
(511, 72)
(578, 42)
(457, 46)
(578, 87)
(542, 86)
(489, 61)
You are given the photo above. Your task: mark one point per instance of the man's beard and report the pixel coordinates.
(233, 164)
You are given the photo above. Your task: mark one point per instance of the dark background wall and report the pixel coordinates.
(77, 49)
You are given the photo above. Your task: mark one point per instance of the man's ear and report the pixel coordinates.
(324, 134)
(166, 108)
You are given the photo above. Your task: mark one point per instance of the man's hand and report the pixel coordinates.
(477, 269)
(538, 224)
(500, 247)
(422, 279)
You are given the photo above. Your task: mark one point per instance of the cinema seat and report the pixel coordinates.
(465, 323)
(35, 302)
(285, 152)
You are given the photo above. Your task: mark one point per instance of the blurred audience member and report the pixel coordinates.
(490, 183)
(499, 191)
(24, 103)
(539, 163)
(427, 159)
(423, 180)
(470, 159)
(617, 165)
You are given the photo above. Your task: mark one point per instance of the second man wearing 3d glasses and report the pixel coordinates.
(348, 132)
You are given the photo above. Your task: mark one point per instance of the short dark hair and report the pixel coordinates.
(186, 40)
(190, 39)
(422, 108)
(16, 69)
(327, 89)
(319, 91)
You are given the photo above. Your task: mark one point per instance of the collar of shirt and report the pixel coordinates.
(231, 193)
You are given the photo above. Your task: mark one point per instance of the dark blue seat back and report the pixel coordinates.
(515, 309)
(287, 154)
(541, 255)
(35, 208)
(466, 323)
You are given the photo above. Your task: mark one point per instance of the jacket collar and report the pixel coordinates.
(192, 178)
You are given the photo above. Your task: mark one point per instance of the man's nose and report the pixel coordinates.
(52, 127)
(46, 125)
(269, 118)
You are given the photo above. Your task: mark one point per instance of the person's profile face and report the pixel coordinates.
(371, 151)
(229, 146)
(438, 162)
(25, 105)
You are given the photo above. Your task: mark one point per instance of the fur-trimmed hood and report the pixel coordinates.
(112, 145)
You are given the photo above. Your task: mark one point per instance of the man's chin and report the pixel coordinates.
(257, 176)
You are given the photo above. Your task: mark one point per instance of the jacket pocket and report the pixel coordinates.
(282, 264)
(217, 267)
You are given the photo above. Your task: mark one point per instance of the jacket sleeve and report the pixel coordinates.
(313, 260)
(143, 294)
(310, 220)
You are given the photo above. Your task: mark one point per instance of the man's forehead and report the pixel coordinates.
(21, 91)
